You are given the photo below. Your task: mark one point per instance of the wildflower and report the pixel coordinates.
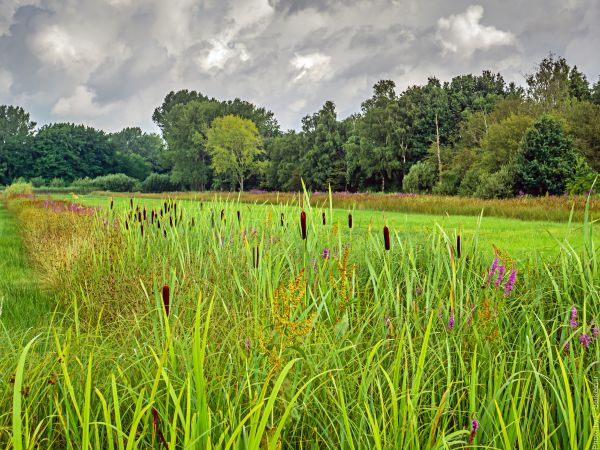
(585, 340)
(573, 321)
(501, 270)
(325, 254)
(303, 224)
(595, 332)
(474, 428)
(566, 347)
(386, 237)
(510, 283)
(388, 322)
(350, 221)
(493, 270)
(451, 322)
(418, 291)
(247, 344)
(166, 298)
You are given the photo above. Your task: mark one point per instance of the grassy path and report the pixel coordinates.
(22, 303)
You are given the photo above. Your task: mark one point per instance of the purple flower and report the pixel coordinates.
(493, 270)
(566, 347)
(510, 283)
(474, 428)
(418, 291)
(585, 340)
(573, 321)
(388, 322)
(325, 254)
(595, 332)
(451, 322)
(501, 270)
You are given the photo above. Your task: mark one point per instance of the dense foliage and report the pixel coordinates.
(475, 131)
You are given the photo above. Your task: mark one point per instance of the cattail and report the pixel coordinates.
(131, 202)
(126, 225)
(139, 216)
(222, 215)
(158, 224)
(350, 221)
(256, 258)
(171, 221)
(145, 217)
(386, 237)
(111, 203)
(165, 232)
(142, 229)
(192, 222)
(181, 215)
(165, 205)
(458, 245)
(303, 224)
(175, 208)
(324, 219)
(212, 218)
(165, 298)
(282, 219)
(239, 216)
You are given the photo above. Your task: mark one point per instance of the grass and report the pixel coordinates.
(267, 344)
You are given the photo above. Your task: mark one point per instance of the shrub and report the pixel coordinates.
(448, 183)
(118, 182)
(18, 187)
(37, 182)
(471, 182)
(57, 183)
(496, 185)
(421, 178)
(158, 183)
(583, 179)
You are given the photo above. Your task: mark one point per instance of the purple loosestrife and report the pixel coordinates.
(493, 270)
(501, 270)
(573, 321)
(595, 331)
(325, 254)
(474, 428)
(510, 283)
(585, 340)
(451, 322)
(566, 348)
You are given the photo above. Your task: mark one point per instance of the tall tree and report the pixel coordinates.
(549, 85)
(546, 161)
(16, 132)
(234, 144)
(579, 87)
(284, 172)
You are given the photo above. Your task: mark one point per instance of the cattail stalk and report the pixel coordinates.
(166, 298)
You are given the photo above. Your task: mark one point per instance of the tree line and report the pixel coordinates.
(473, 135)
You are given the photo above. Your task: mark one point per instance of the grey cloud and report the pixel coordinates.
(109, 63)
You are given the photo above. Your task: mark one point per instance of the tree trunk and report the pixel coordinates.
(437, 143)
(242, 183)
(383, 184)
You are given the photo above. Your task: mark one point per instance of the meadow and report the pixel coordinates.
(213, 323)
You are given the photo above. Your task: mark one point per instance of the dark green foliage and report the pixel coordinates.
(116, 183)
(496, 185)
(16, 134)
(546, 160)
(583, 179)
(159, 182)
(421, 178)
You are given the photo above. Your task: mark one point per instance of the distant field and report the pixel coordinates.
(520, 238)
(551, 208)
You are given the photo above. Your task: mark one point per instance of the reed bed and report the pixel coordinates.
(217, 325)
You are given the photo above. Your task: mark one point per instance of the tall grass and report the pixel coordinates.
(357, 347)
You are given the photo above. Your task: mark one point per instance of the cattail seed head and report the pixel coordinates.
(222, 215)
(126, 225)
(166, 298)
(386, 237)
(458, 245)
(303, 224)
(131, 202)
(350, 221)
(142, 229)
(324, 219)
(239, 216)
(282, 223)
(111, 203)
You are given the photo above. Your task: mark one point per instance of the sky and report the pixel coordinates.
(109, 63)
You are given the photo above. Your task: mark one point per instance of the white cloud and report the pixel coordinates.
(220, 53)
(464, 34)
(81, 104)
(312, 67)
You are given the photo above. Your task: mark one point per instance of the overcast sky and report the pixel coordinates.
(109, 63)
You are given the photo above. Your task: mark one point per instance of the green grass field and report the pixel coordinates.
(224, 334)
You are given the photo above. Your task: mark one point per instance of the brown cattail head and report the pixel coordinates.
(139, 216)
(303, 224)
(131, 202)
(142, 229)
(386, 237)
(126, 225)
(166, 298)
(145, 216)
(324, 219)
(282, 219)
(111, 203)
(349, 220)
(239, 216)
(193, 222)
(458, 245)
(171, 221)
(222, 215)
(158, 223)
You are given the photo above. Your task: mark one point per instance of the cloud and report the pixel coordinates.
(463, 33)
(312, 67)
(110, 63)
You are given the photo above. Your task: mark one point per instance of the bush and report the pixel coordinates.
(19, 187)
(57, 183)
(583, 179)
(118, 182)
(470, 182)
(37, 182)
(158, 183)
(421, 178)
(496, 185)
(448, 183)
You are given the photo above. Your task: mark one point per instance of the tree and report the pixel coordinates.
(583, 120)
(579, 87)
(284, 172)
(502, 143)
(16, 132)
(595, 93)
(546, 161)
(549, 84)
(234, 144)
(148, 146)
